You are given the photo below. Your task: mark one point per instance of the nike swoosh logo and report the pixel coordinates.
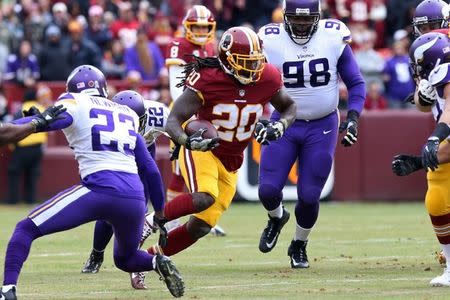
(327, 131)
(270, 245)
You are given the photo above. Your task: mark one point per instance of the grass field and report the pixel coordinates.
(357, 251)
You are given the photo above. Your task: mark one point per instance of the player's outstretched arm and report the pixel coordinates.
(12, 133)
(440, 133)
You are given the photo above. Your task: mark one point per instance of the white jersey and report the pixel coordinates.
(157, 114)
(309, 71)
(103, 134)
(438, 78)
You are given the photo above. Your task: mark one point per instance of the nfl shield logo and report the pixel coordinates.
(242, 93)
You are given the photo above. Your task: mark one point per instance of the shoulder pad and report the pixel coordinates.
(440, 75)
(335, 27)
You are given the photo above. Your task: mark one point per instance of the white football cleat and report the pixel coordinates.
(442, 280)
(148, 228)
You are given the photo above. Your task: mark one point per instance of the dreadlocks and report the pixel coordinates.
(196, 65)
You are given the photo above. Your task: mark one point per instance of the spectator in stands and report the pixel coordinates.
(4, 53)
(126, 26)
(44, 95)
(374, 98)
(97, 31)
(145, 57)
(397, 75)
(60, 17)
(113, 63)
(46, 15)
(54, 57)
(81, 50)
(369, 61)
(377, 16)
(23, 67)
(26, 157)
(160, 32)
(11, 30)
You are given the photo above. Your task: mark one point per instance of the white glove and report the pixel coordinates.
(427, 93)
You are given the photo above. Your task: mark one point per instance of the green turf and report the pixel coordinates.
(357, 251)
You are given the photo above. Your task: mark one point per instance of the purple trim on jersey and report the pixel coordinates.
(149, 173)
(64, 121)
(115, 183)
(349, 71)
(439, 109)
(347, 38)
(66, 96)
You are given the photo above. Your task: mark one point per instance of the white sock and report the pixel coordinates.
(301, 234)
(446, 249)
(277, 212)
(6, 288)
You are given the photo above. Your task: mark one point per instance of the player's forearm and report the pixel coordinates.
(289, 114)
(175, 131)
(350, 73)
(64, 120)
(11, 133)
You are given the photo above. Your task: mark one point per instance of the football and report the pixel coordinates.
(196, 124)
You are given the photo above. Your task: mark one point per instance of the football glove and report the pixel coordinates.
(266, 131)
(196, 141)
(32, 111)
(50, 115)
(350, 127)
(159, 223)
(427, 93)
(403, 165)
(429, 153)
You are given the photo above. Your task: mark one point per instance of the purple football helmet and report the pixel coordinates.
(134, 101)
(430, 15)
(428, 51)
(301, 18)
(87, 79)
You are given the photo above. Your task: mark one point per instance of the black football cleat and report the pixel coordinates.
(9, 295)
(297, 253)
(93, 263)
(270, 234)
(169, 273)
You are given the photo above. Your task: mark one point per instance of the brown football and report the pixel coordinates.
(194, 125)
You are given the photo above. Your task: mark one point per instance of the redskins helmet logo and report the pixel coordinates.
(226, 42)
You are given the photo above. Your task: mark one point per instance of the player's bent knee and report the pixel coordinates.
(123, 263)
(202, 201)
(27, 228)
(309, 195)
(197, 228)
(269, 194)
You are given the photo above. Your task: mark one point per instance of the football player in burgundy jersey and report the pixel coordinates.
(229, 91)
(199, 28)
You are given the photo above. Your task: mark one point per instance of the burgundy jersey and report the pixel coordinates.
(180, 51)
(233, 108)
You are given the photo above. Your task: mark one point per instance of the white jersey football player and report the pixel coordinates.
(115, 169)
(312, 55)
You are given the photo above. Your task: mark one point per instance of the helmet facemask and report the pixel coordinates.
(247, 69)
(301, 27)
(142, 123)
(196, 35)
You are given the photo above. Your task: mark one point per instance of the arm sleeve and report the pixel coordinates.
(64, 121)
(150, 176)
(175, 74)
(349, 71)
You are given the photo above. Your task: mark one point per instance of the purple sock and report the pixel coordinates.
(18, 249)
(306, 213)
(102, 235)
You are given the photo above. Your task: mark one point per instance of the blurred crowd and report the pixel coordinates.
(43, 40)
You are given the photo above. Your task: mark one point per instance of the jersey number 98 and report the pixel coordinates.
(318, 68)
